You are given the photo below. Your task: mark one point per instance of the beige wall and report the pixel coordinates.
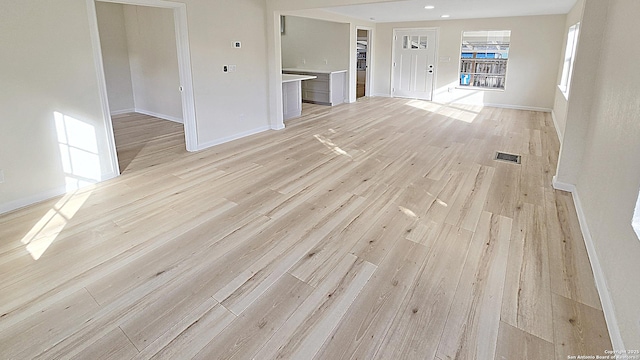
(153, 60)
(115, 55)
(607, 177)
(315, 44)
(51, 69)
(581, 98)
(536, 42)
(560, 102)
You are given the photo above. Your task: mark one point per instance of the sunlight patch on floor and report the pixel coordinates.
(331, 146)
(449, 110)
(49, 227)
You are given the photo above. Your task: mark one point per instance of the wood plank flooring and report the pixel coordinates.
(382, 229)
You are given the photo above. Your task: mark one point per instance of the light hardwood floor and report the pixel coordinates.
(382, 229)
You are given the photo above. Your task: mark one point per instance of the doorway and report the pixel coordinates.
(185, 86)
(363, 58)
(414, 63)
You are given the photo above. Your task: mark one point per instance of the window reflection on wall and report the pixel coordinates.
(78, 151)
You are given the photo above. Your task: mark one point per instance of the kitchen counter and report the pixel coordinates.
(295, 70)
(292, 94)
(292, 77)
(329, 87)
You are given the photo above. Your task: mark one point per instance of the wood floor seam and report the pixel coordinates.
(382, 229)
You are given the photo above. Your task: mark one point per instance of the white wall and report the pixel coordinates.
(55, 71)
(50, 69)
(115, 55)
(315, 44)
(153, 60)
(532, 69)
(604, 163)
(228, 105)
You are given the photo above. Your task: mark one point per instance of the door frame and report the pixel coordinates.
(368, 78)
(436, 57)
(184, 69)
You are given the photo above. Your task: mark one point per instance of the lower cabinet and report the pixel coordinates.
(325, 89)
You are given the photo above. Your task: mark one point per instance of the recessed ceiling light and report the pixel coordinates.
(445, 16)
(429, 7)
(372, 19)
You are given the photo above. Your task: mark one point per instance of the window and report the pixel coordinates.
(415, 42)
(483, 59)
(636, 218)
(569, 55)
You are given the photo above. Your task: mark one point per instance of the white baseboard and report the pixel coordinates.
(34, 199)
(121, 112)
(160, 116)
(381, 95)
(518, 107)
(109, 176)
(232, 137)
(555, 124)
(558, 185)
(598, 273)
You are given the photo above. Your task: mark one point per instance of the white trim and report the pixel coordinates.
(369, 63)
(158, 115)
(598, 273)
(601, 282)
(34, 199)
(102, 85)
(381, 95)
(122, 112)
(558, 185)
(518, 107)
(153, 3)
(108, 176)
(184, 63)
(563, 92)
(186, 79)
(555, 124)
(233, 137)
(274, 47)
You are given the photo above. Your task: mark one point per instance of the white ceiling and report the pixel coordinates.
(413, 10)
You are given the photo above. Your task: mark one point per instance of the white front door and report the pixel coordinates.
(414, 63)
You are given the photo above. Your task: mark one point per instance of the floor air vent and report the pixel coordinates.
(508, 157)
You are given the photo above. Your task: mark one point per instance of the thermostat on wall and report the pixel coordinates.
(237, 44)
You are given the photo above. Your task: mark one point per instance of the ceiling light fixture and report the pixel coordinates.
(445, 16)
(429, 7)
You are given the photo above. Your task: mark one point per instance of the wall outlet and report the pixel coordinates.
(225, 68)
(304, 61)
(326, 62)
(232, 68)
(237, 44)
(1, 176)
